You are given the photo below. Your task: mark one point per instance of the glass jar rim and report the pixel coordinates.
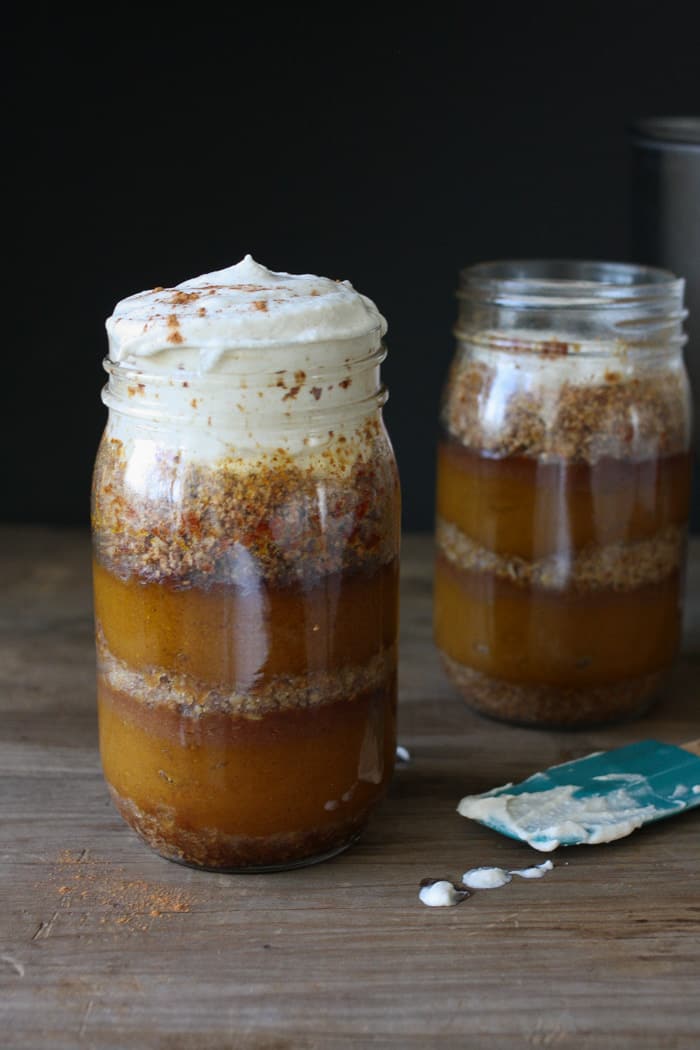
(567, 283)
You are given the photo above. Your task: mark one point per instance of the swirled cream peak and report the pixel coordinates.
(245, 306)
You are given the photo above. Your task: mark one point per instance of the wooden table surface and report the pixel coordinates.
(103, 944)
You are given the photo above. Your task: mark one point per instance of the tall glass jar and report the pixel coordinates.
(246, 535)
(563, 490)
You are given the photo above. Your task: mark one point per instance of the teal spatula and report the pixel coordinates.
(602, 797)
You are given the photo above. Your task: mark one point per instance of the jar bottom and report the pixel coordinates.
(265, 869)
(209, 850)
(551, 707)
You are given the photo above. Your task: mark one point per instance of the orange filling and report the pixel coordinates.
(291, 771)
(233, 638)
(560, 638)
(522, 506)
(294, 767)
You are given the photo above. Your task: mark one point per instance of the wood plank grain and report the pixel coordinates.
(105, 945)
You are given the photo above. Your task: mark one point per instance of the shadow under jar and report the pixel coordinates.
(563, 490)
(246, 533)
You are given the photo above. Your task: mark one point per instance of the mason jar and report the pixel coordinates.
(563, 490)
(246, 540)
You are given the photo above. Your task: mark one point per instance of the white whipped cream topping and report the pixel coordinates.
(201, 322)
(243, 360)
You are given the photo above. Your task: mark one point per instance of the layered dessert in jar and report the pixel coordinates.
(563, 493)
(246, 536)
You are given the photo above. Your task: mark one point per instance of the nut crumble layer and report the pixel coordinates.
(196, 524)
(554, 706)
(210, 848)
(191, 698)
(638, 418)
(617, 567)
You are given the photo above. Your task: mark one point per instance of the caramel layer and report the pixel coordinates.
(290, 772)
(530, 508)
(229, 637)
(559, 638)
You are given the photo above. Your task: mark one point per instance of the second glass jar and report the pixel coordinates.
(563, 491)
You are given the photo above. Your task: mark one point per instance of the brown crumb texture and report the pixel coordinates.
(279, 519)
(162, 689)
(622, 417)
(555, 707)
(218, 851)
(616, 567)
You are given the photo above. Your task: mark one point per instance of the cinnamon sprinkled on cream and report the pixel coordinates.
(247, 303)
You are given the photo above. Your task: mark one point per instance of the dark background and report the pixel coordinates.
(150, 147)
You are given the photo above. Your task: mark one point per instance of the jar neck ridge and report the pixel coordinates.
(246, 406)
(592, 305)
